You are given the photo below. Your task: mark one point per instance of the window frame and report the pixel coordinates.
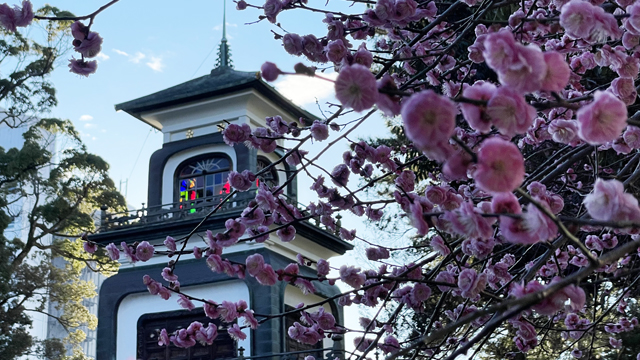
(179, 316)
(273, 171)
(177, 178)
(291, 345)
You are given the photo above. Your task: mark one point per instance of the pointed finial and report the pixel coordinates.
(224, 53)
(224, 20)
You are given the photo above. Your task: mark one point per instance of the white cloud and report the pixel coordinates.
(89, 125)
(219, 26)
(86, 118)
(137, 57)
(120, 52)
(304, 90)
(102, 56)
(156, 64)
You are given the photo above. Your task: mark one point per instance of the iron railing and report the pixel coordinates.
(175, 211)
(192, 209)
(319, 354)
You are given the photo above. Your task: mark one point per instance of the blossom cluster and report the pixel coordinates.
(513, 166)
(88, 44)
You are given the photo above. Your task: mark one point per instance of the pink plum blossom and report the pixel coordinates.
(631, 137)
(254, 263)
(505, 203)
(558, 72)
(236, 134)
(437, 243)
(582, 20)
(10, 18)
(389, 104)
(467, 221)
(533, 227)
(270, 71)
(319, 131)
(602, 120)
(352, 276)
(286, 234)
(500, 166)
(564, 131)
(471, 283)
(476, 115)
(79, 30)
(266, 276)
(241, 181)
(577, 18)
(609, 202)
(90, 247)
(163, 338)
(292, 43)
(632, 25)
(624, 89)
(271, 9)
(185, 302)
(518, 66)
(509, 112)
(81, 67)
(113, 252)
(236, 333)
(144, 251)
(170, 243)
(429, 122)
(90, 46)
(356, 87)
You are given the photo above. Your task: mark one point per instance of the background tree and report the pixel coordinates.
(52, 186)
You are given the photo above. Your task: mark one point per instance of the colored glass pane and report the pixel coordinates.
(200, 180)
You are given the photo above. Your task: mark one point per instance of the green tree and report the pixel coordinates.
(48, 189)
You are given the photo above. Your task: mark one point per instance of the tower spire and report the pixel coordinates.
(224, 53)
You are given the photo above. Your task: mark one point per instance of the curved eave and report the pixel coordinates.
(174, 96)
(322, 237)
(149, 232)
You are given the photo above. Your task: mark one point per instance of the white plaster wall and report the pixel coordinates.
(203, 116)
(168, 186)
(134, 306)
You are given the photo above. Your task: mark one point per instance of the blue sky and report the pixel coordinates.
(151, 45)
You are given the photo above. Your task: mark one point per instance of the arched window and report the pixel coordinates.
(202, 177)
(270, 178)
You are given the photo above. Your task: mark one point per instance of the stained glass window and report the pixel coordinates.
(270, 178)
(201, 179)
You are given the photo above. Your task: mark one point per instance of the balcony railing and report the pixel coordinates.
(176, 211)
(318, 354)
(179, 211)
